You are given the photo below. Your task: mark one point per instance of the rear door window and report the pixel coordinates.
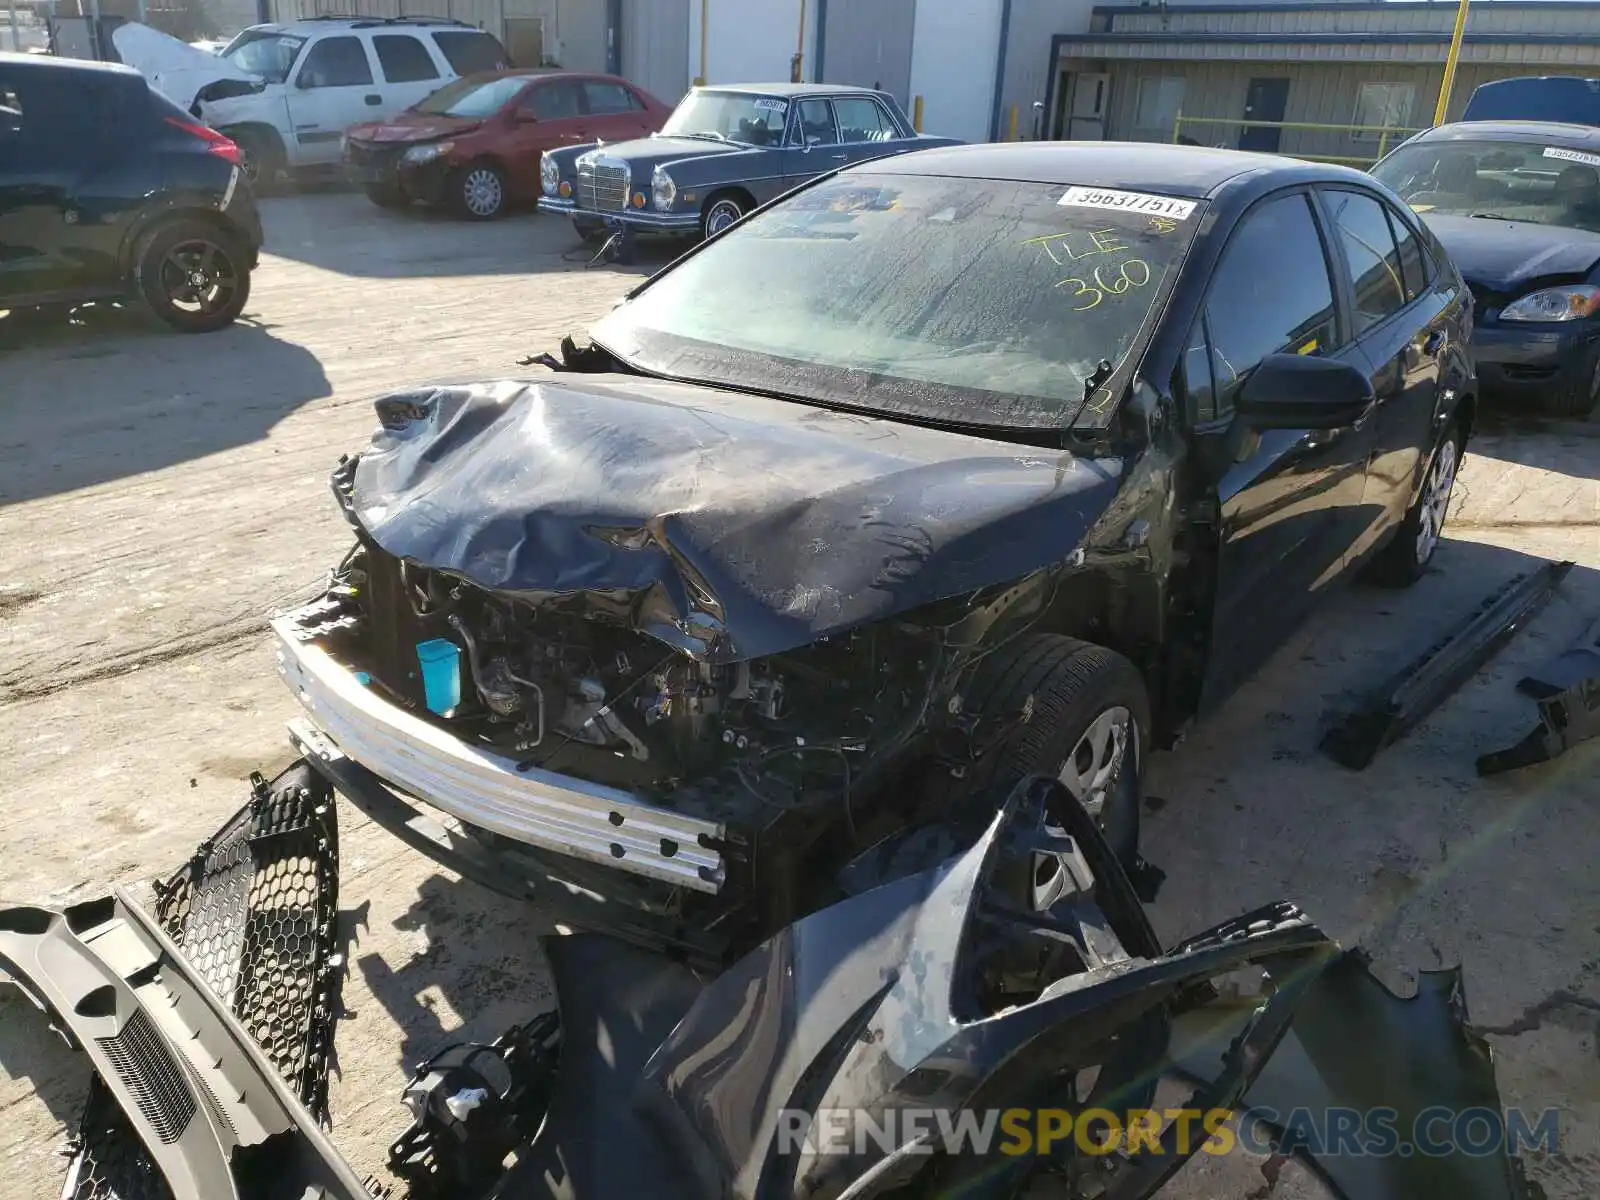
(469, 51)
(1272, 293)
(336, 62)
(862, 120)
(1413, 271)
(553, 101)
(403, 58)
(608, 99)
(1370, 252)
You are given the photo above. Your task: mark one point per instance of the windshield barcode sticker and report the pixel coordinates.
(1577, 156)
(1140, 202)
(769, 102)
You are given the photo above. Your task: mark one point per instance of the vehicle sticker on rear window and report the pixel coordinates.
(1577, 156)
(1162, 206)
(769, 102)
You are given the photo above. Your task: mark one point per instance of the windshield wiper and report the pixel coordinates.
(1490, 216)
(704, 137)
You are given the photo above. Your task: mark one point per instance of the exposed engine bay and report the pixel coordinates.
(568, 686)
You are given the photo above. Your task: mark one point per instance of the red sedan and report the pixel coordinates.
(474, 144)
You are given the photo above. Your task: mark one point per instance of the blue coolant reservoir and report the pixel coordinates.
(441, 674)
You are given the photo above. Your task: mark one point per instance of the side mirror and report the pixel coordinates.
(1297, 391)
(304, 81)
(525, 117)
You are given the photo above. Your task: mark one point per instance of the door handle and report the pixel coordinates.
(372, 100)
(839, 157)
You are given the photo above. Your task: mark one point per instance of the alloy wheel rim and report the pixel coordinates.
(1436, 500)
(198, 277)
(723, 213)
(483, 193)
(1094, 769)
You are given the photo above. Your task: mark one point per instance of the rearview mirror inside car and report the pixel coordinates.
(1298, 391)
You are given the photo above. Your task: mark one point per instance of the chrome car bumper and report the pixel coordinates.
(686, 222)
(539, 808)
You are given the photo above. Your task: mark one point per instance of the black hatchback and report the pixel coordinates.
(110, 191)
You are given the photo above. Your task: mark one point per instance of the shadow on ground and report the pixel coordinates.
(172, 397)
(480, 971)
(346, 233)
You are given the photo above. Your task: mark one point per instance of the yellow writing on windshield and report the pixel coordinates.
(1078, 244)
(1162, 224)
(1107, 280)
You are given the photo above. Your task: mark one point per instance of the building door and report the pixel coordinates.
(1090, 91)
(1265, 100)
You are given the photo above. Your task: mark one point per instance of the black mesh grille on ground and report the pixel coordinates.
(256, 912)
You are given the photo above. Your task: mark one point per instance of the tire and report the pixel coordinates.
(263, 155)
(1405, 559)
(1578, 398)
(720, 211)
(386, 195)
(192, 275)
(1080, 694)
(477, 192)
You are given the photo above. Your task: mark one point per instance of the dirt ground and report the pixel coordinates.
(160, 494)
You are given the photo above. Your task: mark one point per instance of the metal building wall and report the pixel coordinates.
(655, 46)
(869, 45)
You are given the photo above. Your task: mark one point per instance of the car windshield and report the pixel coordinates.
(1500, 180)
(264, 53)
(729, 117)
(976, 302)
(471, 97)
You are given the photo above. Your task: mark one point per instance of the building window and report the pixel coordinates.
(1160, 98)
(1382, 104)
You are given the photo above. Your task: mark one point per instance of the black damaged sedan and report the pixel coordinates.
(1517, 204)
(943, 470)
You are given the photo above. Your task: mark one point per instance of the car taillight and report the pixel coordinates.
(222, 147)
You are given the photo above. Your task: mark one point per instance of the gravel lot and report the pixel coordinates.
(161, 493)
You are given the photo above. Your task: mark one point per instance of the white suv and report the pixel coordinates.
(320, 76)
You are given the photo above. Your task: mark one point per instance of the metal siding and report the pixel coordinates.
(869, 45)
(655, 47)
(1027, 77)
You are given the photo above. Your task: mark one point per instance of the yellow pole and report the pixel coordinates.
(916, 113)
(705, 24)
(1177, 125)
(1450, 63)
(1011, 125)
(798, 68)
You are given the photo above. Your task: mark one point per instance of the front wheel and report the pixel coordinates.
(193, 276)
(1579, 395)
(478, 192)
(1405, 559)
(261, 156)
(1077, 711)
(720, 212)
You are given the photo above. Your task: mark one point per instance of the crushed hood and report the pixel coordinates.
(738, 526)
(1511, 256)
(175, 69)
(412, 127)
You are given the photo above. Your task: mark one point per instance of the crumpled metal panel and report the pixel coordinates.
(733, 526)
(255, 910)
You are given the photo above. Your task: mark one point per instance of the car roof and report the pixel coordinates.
(49, 62)
(312, 25)
(1559, 132)
(789, 89)
(1194, 172)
